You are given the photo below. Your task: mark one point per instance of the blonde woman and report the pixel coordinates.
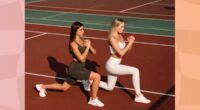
(118, 48)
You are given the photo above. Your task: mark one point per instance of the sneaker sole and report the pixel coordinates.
(143, 102)
(37, 86)
(95, 105)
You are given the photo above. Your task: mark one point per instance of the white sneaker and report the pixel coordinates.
(95, 102)
(142, 99)
(86, 85)
(42, 92)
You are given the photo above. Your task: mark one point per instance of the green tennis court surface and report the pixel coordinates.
(101, 22)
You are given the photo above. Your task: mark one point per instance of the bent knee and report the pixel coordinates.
(135, 71)
(64, 88)
(96, 76)
(110, 88)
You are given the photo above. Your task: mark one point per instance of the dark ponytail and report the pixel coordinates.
(74, 27)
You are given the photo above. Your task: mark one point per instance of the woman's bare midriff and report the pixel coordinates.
(116, 56)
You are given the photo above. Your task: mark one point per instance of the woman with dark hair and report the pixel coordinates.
(79, 49)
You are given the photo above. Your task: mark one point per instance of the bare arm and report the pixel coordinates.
(130, 48)
(92, 49)
(129, 38)
(115, 46)
(81, 57)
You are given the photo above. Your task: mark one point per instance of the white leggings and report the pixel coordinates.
(114, 68)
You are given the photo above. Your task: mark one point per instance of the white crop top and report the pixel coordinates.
(121, 46)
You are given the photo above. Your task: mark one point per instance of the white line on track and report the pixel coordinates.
(107, 11)
(103, 30)
(140, 6)
(145, 91)
(101, 24)
(146, 43)
(35, 36)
